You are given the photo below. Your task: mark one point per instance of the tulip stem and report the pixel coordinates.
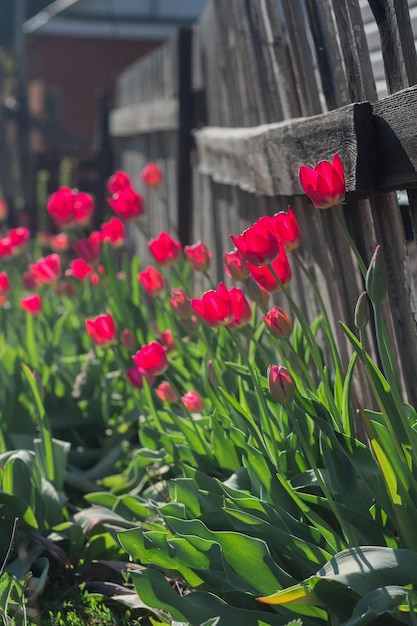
(314, 350)
(329, 497)
(350, 241)
(327, 327)
(265, 418)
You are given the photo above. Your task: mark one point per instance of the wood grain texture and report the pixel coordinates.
(376, 142)
(265, 159)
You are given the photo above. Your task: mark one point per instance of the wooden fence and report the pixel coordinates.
(268, 86)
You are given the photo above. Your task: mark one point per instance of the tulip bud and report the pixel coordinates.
(281, 385)
(362, 311)
(278, 323)
(212, 376)
(128, 339)
(376, 277)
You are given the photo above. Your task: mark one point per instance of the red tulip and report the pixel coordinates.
(59, 243)
(5, 288)
(83, 207)
(80, 270)
(164, 249)
(151, 358)
(180, 303)
(88, 249)
(278, 323)
(198, 256)
(167, 339)
(6, 248)
(165, 392)
(19, 236)
(258, 244)
(281, 385)
(31, 304)
(286, 228)
(236, 265)
(118, 181)
(46, 269)
(241, 309)
(152, 281)
(102, 330)
(266, 278)
(151, 175)
(193, 402)
(215, 307)
(113, 232)
(325, 184)
(127, 204)
(60, 207)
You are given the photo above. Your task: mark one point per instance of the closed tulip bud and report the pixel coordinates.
(166, 393)
(193, 402)
(278, 323)
(281, 385)
(212, 376)
(376, 277)
(128, 339)
(362, 311)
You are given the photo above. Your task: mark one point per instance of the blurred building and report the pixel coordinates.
(77, 48)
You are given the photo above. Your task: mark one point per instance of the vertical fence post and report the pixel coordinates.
(103, 159)
(185, 123)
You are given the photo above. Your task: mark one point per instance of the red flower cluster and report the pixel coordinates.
(261, 251)
(46, 270)
(223, 307)
(13, 243)
(125, 201)
(70, 207)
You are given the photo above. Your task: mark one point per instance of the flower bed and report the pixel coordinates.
(195, 457)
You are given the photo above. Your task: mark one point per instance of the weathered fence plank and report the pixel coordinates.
(148, 117)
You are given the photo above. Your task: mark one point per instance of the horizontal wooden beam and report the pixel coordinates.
(146, 117)
(265, 159)
(377, 144)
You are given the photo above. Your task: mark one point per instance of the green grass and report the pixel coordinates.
(73, 606)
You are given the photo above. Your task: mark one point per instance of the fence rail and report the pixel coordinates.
(261, 91)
